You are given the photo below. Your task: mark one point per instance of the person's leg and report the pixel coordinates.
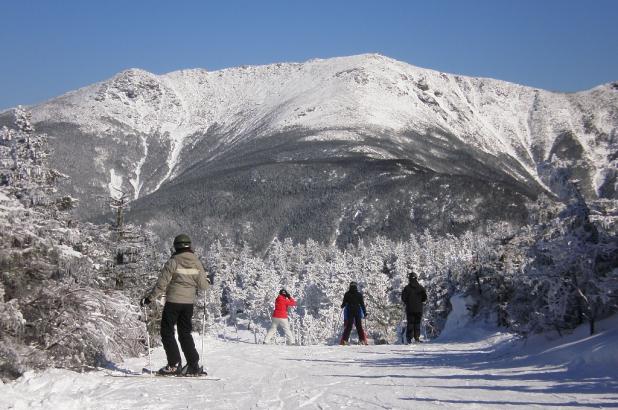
(409, 327)
(271, 331)
(289, 337)
(184, 335)
(168, 321)
(358, 322)
(347, 329)
(417, 326)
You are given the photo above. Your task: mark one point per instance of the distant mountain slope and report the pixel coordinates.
(334, 149)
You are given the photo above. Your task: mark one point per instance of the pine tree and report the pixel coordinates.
(51, 311)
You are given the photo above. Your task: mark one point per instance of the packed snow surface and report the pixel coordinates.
(475, 370)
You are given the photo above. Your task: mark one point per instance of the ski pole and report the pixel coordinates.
(366, 342)
(340, 320)
(404, 325)
(148, 340)
(203, 326)
(336, 325)
(336, 333)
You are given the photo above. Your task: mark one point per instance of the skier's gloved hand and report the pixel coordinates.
(144, 301)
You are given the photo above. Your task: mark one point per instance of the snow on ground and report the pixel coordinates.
(489, 370)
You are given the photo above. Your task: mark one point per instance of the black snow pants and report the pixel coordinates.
(413, 327)
(178, 314)
(347, 329)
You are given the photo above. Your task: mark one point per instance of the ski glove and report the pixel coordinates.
(144, 301)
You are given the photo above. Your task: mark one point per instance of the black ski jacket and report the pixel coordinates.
(353, 299)
(414, 296)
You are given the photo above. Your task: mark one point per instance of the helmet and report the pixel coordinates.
(353, 285)
(182, 241)
(412, 275)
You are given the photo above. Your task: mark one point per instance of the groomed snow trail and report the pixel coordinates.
(485, 374)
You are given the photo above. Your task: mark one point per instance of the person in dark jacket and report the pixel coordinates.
(180, 279)
(413, 296)
(354, 311)
(280, 317)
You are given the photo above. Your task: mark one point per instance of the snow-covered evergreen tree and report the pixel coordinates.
(54, 310)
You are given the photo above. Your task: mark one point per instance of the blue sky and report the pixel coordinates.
(51, 47)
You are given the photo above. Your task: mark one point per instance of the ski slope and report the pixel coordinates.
(465, 370)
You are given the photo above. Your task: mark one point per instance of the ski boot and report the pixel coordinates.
(192, 370)
(170, 370)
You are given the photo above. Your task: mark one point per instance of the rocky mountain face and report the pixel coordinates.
(335, 150)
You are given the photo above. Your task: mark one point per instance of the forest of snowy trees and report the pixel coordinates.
(552, 275)
(61, 301)
(69, 289)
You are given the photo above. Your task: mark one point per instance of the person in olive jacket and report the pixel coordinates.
(354, 311)
(413, 296)
(180, 279)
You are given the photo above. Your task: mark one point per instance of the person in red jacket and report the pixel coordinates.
(280, 317)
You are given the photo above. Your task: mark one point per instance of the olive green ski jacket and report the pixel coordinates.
(181, 277)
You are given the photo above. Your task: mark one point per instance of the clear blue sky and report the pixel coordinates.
(51, 47)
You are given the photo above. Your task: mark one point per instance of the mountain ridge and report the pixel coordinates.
(146, 132)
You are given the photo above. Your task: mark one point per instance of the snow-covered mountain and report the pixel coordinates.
(332, 149)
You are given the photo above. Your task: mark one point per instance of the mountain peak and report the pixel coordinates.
(132, 84)
(134, 72)
(151, 130)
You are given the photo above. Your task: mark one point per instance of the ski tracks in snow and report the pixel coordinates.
(483, 375)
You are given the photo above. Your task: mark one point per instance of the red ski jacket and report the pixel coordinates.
(281, 306)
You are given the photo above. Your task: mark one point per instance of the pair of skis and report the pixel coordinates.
(150, 374)
(146, 371)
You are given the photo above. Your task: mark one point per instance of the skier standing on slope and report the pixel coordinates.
(413, 296)
(180, 279)
(354, 311)
(280, 317)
